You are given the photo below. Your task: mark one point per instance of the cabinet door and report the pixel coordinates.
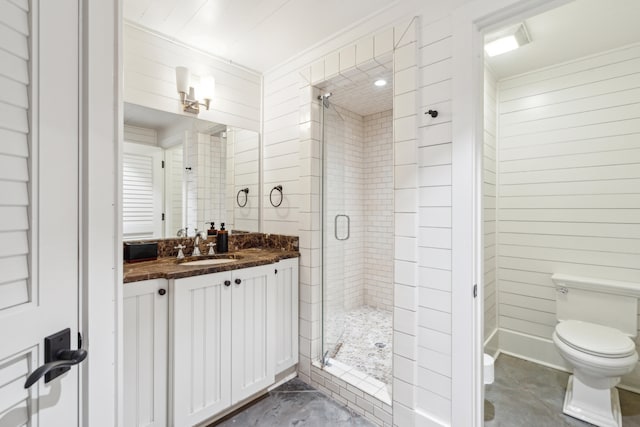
(286, 314)
(146, 322)
(253, 332)
(200, 347)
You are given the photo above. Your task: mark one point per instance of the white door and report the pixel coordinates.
(39, 222)
(142, 191)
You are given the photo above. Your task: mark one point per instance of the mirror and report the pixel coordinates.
(181, 171)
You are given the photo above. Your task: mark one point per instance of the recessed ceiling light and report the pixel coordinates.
(506, 40)
(380, 82)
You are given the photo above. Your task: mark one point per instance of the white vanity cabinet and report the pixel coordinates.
(286, 314)
(146, 330)
(196, 346)
(222, 341)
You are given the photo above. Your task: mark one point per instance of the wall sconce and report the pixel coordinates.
(187, 93)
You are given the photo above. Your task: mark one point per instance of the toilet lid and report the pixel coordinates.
(595, 339)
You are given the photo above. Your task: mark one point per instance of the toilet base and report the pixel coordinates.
(598, 407)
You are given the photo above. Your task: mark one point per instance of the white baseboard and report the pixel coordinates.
(492, 344)
(543, 352)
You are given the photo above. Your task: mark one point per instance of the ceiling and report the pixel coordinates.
(577, 29)
(258, 34)
(356, 92)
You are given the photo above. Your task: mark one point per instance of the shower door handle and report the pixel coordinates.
(335, 226)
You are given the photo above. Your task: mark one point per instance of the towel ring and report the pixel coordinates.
(279, 189)
(246, 197)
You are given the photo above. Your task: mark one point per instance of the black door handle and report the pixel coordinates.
(66, 359)
(238, 281)
(58, 357)
(227, 282)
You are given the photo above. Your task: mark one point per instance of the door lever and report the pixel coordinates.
(58, 357)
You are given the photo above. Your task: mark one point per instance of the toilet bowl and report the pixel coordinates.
(599, 356)
(597, 321)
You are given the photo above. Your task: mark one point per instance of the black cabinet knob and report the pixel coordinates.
(227, 282)
(276, 271)
(238, 281)
(162, 291)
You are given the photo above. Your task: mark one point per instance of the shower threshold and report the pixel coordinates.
(359, 380)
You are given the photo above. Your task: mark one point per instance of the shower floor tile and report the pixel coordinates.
(365, 343)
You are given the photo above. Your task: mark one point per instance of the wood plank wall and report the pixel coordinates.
(569, 182)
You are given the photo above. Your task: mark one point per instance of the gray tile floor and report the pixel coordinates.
(296, 404)
(528, 394)
(524, 394)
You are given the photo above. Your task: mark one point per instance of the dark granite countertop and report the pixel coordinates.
(171, 268)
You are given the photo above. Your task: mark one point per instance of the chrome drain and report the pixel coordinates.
(380, 345)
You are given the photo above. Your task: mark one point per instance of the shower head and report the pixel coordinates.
(325, 99)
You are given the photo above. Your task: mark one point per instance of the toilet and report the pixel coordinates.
(597, 320)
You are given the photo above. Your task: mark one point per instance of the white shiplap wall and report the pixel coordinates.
(434, 320)
(246, 166)
(489, 207)
(149, 79)
(569, 184)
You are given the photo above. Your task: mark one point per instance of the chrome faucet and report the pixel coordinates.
(196, 244)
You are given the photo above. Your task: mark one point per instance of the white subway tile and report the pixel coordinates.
(433, 257)
(405, 57)
(347, 59)
(404, 105)
(434, 319)
(405, 152)
(437, 362)
(405, 272)
(405, 201)
(435, 155)
(435, 196)
(406, 224)
(331, 65)
(434, 175)
(383, 43)
(406, 176)
(364, 51)
(435, 299)
(405, 321)
(317, 72)
(434, 340)
(435, 237)
(405, 128)
(405, 345)
(405, 297)
(405, 81)
(436, 51)
(435, 134)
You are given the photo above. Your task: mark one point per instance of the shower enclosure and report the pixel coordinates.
(357, 233)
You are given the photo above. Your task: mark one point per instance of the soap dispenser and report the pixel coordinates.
(212, 231)
(222, 240)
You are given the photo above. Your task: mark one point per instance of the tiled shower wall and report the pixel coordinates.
(206, 156)
(378, 208)
(344, 281)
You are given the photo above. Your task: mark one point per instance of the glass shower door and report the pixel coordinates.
(333, 250)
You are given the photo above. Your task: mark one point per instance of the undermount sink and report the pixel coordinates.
(209, 261)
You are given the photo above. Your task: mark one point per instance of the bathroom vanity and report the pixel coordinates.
(200, 339)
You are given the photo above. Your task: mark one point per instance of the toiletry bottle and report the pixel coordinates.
(222, 240)
(212, 231)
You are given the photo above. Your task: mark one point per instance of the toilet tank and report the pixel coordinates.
(605, 302)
